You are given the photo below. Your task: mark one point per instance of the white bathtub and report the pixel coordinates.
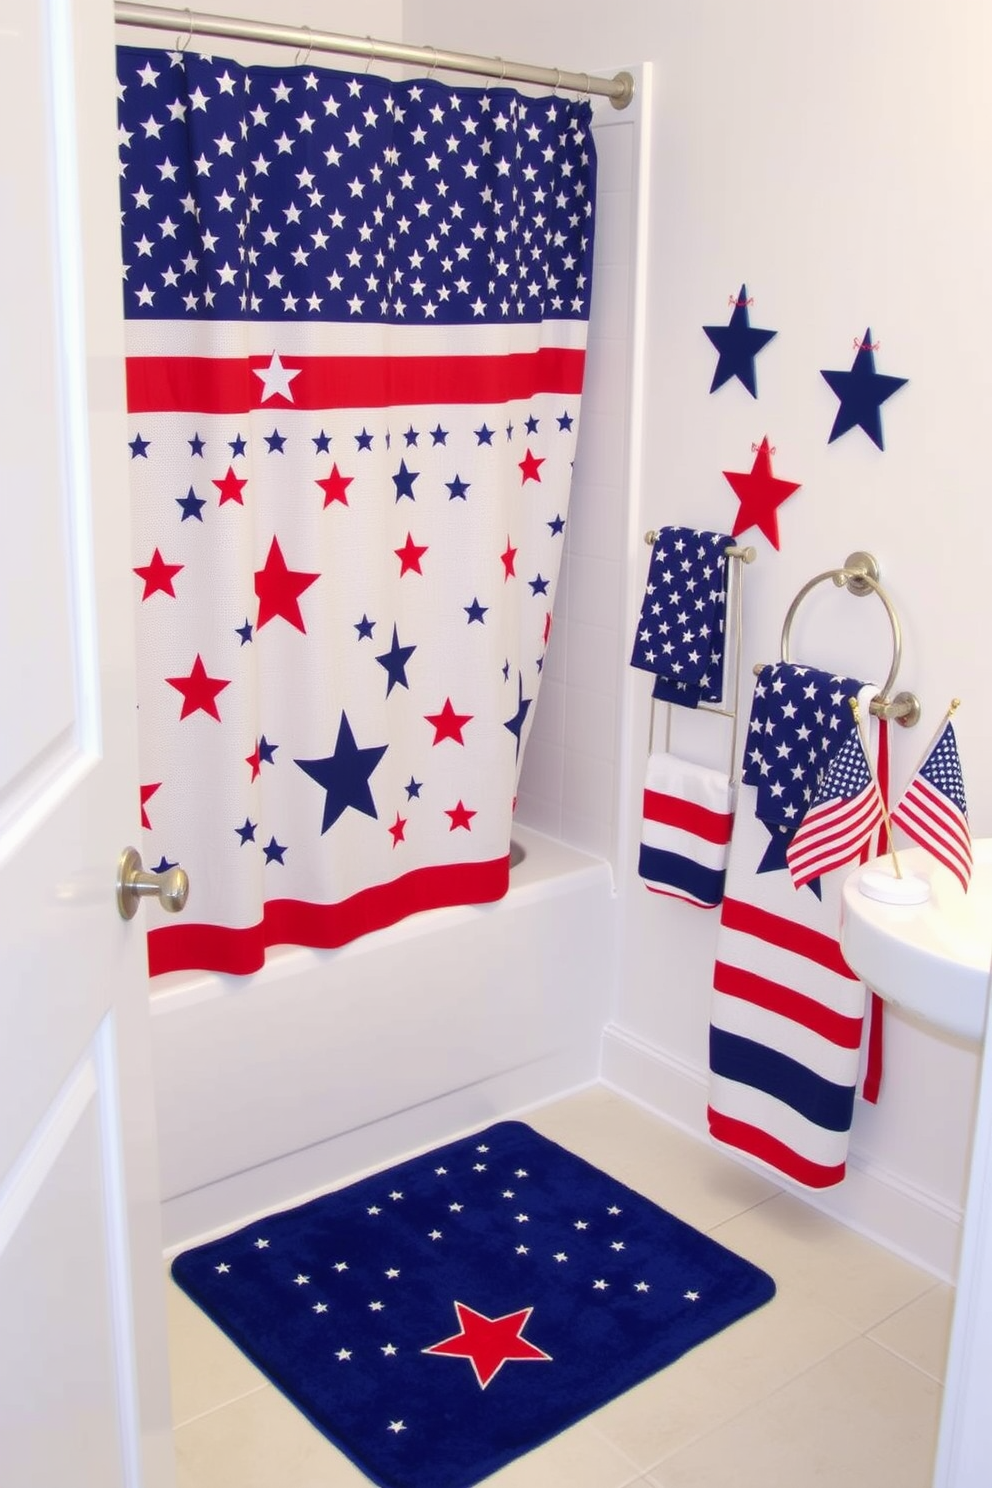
(274, 1086)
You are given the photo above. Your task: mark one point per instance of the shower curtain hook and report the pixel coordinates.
(183, 42)
(371, 58)
(433, 67)
(554, 90)
(306, 59)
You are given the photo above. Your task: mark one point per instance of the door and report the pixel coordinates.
(83, 1375)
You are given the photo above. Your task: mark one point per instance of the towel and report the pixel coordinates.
(688, 818)
(787, 1014)
(680, 634)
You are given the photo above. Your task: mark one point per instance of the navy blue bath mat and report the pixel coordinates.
(445, 1316)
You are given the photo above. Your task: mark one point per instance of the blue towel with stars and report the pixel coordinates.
(680, 634)
(799, 717)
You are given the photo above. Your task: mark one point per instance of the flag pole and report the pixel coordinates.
(955, 705)
(878, 790)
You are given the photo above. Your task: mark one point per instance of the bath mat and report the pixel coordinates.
(441, 1318)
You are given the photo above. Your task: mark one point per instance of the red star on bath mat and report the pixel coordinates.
(488, 1342)
(760, 494)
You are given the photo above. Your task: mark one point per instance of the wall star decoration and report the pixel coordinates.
(738, 343)
(760, 494)
(861, 391)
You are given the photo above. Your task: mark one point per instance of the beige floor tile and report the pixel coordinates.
(812, 1255)
(682, 1174)
(722, 1377)
(260, 1441)
(921, 1332)
(205, 1367)
(579, 1458)
(862, 1416)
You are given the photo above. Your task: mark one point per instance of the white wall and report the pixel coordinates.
(837, 162)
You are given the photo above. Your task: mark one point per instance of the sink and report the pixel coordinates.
(931, 958)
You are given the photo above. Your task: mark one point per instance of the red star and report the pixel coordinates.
(409, 556)
(335, 486)
(759, 493)
(255, 760)
(279, 589)
(460, 816)
(507, 557)
(398, 829)
(448, 724)
(158, 575)
(531, 467)
(199, 691)
(547, 626)
(488, 1342)
(230, 487)
(147, 791)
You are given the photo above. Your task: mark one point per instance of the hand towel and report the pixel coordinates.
(687, 823)
(680, 634)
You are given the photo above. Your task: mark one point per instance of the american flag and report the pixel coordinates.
(437, 1319)
(356, 322)
(680, 632)
(846, 811)
(933, 810)
(799, 716)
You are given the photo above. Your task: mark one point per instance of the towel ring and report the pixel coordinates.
(860, 576)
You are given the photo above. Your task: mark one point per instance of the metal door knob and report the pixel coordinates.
(133, 883)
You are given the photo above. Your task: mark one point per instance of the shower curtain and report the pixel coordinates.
(356, 323)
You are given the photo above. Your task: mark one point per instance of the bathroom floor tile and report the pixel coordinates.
(861, 1416)
(920, 1332)
(817, 1257)
(206, 1369)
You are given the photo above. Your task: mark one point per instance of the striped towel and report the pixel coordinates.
(787, 1014)
(680, 633)
(688, 818)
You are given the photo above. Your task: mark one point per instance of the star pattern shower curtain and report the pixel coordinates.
(356, 322)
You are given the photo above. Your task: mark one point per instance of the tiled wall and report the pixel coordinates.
(569, 782)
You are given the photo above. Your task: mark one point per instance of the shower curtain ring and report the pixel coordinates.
(371, 54)
(306, 59)
(182, 42)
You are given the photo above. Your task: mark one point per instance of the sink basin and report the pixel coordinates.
(930, 958)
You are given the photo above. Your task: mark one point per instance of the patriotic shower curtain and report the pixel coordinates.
(356, 321)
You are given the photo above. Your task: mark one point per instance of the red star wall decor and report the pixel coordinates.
(760, 494)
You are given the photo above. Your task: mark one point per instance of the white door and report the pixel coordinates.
(83, 1375)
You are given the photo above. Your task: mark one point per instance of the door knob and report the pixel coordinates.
(133, 883)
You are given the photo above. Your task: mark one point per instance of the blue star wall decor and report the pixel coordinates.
(738, 344)
(862, 391)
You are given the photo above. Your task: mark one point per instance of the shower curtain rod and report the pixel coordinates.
(187, 24)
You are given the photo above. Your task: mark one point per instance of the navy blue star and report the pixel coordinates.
(344, 775)
(506, 670)
(244, 631)
(394, 660)
(266, 751)
(191, 505)
(457, 487)
(196, 445)
(413, 789)
(403, 481)
(862, 391)
(273, 851)
(322, 441)
(365, 627)
(238, 445)
(364, 440)
(163, 865)
(509, 432)
(439, 436)
(539, 585)
(276, 443)
(411, 436)
(475, 611)
(774, 856)
(531, 425)
(247, 832)
(485, 434)
(738, 344)
(516, 723)
(565, 423)
(557, 525)
(139, 446)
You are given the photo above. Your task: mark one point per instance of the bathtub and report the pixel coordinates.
(276, 1086)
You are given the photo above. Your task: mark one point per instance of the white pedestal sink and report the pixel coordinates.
(931, 958)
